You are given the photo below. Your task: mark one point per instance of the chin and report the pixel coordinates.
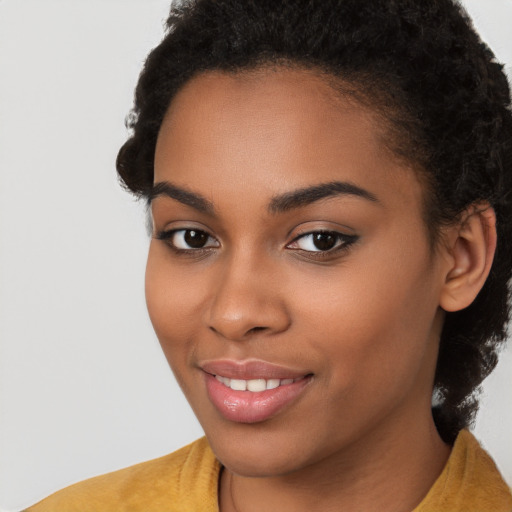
(257, 465)
(255, 451)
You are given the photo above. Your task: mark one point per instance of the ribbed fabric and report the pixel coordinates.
(187, 481)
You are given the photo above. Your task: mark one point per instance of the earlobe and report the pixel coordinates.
(471, 249)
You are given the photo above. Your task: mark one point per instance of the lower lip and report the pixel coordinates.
(249, 406)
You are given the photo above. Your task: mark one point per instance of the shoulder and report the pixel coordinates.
(470, 482)
(159, 484)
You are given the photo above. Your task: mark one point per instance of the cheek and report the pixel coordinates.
(173, 302)
(373, 321)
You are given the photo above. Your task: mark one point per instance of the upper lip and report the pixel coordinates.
(250, 369)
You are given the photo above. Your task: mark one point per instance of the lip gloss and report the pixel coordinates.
(252, 406)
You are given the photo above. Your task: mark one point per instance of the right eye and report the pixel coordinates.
(188, 239)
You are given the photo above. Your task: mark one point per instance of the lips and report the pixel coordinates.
(252, 391)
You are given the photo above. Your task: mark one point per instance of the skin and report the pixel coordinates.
(365, 319)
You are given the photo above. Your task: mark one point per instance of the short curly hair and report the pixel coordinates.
(424, 68)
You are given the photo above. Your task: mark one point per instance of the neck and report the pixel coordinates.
(387, 470)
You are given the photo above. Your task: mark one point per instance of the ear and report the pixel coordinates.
(470, 251)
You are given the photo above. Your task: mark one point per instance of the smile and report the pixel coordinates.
(253, 400)
(254, 385)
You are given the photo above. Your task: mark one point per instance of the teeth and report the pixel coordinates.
(254, 385)
(224, 380)
(238, 384)
(273, 383)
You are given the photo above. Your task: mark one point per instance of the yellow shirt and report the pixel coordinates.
(187, 481)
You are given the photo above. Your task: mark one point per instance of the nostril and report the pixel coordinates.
(256, 329)
(240, 335)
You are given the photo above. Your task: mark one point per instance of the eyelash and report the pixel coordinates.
(167, 237)
(342, 242)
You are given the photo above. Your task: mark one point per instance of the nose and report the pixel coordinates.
(247, 300)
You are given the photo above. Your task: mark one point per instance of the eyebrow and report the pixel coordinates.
(278, 204)
(305, 196)
(184, 196)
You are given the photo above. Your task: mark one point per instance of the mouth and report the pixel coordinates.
(252, 391)
(255, 385)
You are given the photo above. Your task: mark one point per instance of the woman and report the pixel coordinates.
(329, 185)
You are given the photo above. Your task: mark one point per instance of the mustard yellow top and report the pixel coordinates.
(187, 481)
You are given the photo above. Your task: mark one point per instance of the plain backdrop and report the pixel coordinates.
(84, 388)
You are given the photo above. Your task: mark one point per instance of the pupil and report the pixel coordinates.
(196, 239)
(324, 241)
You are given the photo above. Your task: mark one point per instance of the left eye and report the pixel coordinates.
(320, 241)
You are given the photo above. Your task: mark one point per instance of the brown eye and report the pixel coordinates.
(188, 239)
(195, 239)
(324, 241)
(319, 241)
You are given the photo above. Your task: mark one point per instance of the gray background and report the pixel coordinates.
(84, 388)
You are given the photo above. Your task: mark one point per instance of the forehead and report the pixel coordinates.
(274, 129)
(266, 98)
(275, 88)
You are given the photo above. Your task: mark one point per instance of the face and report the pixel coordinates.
(289, 257)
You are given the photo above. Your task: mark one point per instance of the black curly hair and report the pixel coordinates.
(424, 68)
